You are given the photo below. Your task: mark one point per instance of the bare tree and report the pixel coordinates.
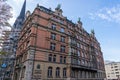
(5, 13)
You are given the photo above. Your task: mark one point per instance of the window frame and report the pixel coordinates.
(62, 29)
(64, 59)
(54, 58)
(62, 48)
(50, 58)
(57, 72)
(64, 72)
(53, 26)
(62, 39)
(61, 58)
(52, 46)
(38, 66)
(53, 36)
(49, 74)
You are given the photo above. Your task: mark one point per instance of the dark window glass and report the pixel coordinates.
(52, 46)
(61, 59)
(64, 60)
(62, 39)
(53, 36)
(50, 58)
(64, 72)
(57, 72)
(54, 58)
(62, 48)
(62, 30)
(49, 71)
(38, 66)
(53, 26)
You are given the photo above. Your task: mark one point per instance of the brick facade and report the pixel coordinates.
(51, 47)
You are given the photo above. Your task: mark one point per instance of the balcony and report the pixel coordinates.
(83, 67)
(57, 20)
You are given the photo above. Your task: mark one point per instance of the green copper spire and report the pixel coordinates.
(58, 7)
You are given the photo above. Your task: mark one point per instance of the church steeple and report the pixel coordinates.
(22, 13)
(21, 18)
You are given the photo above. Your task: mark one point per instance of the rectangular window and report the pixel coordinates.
(78, 45)
(115, 66)
(64, 72)
(62, 39)
(117, 72)
(118, 76)
(78, 62)
(53, 36)
(116, 69)
(62, 30)
(53, 27)
(50, 58)
(52, 46)
(62, 49)
(78, 53)
(64, 60)
(54, 58)
(60, 59)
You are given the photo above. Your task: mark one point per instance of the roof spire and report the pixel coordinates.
(22, 13)
(20, 19)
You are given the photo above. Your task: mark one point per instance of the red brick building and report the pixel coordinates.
(51, 47)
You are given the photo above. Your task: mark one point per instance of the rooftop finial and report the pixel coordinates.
(37, 5)
(79, 19)
(92, 31)
(58, 10)
(58, 6)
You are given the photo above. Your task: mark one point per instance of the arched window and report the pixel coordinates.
(49, 71)
(64, 72)
(50, 57)
(38, 66)
(57, 72)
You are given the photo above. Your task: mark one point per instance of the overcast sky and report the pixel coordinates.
(101, 15)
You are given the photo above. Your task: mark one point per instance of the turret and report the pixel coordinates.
(58, 10)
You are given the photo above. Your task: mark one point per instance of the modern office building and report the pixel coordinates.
(112, 71)
(51, 47)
